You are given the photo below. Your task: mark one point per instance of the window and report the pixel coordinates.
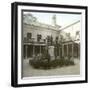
(39, 36)
(29, 35)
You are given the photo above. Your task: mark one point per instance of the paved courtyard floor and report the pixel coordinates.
(29, 71)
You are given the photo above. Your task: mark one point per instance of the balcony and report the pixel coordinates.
(32, 41)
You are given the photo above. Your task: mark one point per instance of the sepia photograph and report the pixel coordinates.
(51, 43)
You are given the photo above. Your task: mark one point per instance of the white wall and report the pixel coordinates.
(72, 29)
(5, 46)
(37, 30)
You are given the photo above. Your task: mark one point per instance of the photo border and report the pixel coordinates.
(14, 43)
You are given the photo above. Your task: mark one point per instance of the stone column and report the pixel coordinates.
(62, 50)
(40, 49)
(72, 49)
(67, 49)
(33, 50)
(59, 52)
(26, 51)
(78, 50)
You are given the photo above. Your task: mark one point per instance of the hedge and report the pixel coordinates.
(47, 64)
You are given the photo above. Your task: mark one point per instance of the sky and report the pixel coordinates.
(62, 19)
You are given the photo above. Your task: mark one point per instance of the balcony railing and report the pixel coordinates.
(32, 40)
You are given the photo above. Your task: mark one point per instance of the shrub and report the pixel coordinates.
(45, 63)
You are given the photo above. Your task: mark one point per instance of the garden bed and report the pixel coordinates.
(48, 64)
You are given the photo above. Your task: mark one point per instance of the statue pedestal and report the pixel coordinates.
(51, 52)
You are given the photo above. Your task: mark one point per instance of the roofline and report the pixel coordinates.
(70, 25)
(44, 27)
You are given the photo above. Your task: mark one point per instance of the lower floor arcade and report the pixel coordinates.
(67, 49)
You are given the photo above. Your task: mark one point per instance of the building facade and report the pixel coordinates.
(59, 41)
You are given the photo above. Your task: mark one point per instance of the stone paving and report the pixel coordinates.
(29, 71)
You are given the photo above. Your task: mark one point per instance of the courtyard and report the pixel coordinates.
(29, 71)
